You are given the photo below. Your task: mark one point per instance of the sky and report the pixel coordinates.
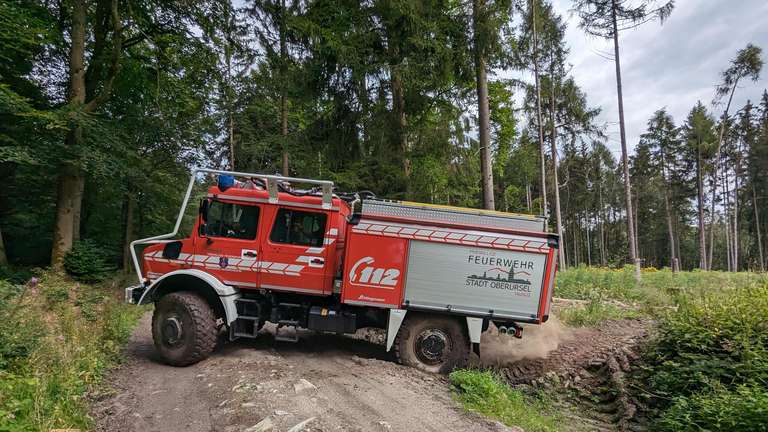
(667, 66)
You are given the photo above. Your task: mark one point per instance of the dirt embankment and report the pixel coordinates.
(590, 362)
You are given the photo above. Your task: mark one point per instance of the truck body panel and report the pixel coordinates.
(497, 283)
(447, 268)
(374, 269)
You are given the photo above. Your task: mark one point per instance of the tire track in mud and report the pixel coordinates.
(590, 363)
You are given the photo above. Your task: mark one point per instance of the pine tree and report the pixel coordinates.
(606, 18)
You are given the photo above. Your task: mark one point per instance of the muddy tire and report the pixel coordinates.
(436, 344)
(183, 328)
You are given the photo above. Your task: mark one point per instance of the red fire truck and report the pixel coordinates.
(261, 250)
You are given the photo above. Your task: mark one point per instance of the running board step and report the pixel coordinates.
(244, 327)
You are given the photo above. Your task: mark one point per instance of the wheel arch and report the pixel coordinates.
(219, 296)
(472, 325)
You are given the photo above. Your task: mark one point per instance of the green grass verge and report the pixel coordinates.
(484, 393)
(656, 288)
(56, 341)
(595, 313)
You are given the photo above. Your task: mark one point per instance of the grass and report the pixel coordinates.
(484, 393)
(57, 339)
(656, 288)
(594, 313)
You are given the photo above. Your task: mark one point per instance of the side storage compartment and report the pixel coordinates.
(374, 267)
(500, 280)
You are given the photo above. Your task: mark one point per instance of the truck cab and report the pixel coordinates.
(293, 244)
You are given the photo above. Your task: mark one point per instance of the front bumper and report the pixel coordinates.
(133, 293)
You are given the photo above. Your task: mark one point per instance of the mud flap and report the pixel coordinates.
(475, 330)
(396, 317)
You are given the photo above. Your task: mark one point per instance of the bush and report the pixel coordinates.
(19, 335)
(744, 409)
(720, 338)
(88, 262)
(707, 367)
(56, 349)
(15, 275)
(484, 393)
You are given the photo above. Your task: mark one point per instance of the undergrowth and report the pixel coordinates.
(656, 288)
(57, 338)
(484, 393)
(594, 313)
(708, 367)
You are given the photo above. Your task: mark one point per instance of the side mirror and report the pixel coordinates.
(204, 204)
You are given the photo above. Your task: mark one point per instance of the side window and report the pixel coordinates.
(232, 220)
(298, 228)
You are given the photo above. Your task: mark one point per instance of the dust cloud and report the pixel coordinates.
(537, 342)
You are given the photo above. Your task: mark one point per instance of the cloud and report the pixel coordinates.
(670, 66)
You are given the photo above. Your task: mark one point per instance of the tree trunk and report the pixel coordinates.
(543, 181)
(712, 228)
(735, 240)
(398, 103)
(78, 210)
(486, 166)
(668, 211)
(589, 241)
(757, 226)
(601, 221)
(622, 132)
(555, 181)
(721, 134)
(129, 205)
(67, 203)
(727, 211)
(528, 196)
(71, 180)
(3, 255)
(230, 114)
(283, 96)
(702, 232)
(672, 250)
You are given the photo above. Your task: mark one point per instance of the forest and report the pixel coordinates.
(105, 105)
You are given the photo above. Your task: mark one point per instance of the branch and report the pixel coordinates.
(114, 67)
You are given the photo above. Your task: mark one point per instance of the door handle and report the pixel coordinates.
(317, 261)
(250, 254)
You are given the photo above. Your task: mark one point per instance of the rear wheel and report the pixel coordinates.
(436, 344)
(183, 328)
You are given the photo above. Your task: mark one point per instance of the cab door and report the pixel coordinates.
(227, 243)
(294, 256)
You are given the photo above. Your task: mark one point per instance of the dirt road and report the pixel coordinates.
(322, 383)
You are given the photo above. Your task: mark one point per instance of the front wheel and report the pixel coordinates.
(183, 328)
(436, 344)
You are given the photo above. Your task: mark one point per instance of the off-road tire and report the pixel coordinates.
(198, 323)
(449, 327)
